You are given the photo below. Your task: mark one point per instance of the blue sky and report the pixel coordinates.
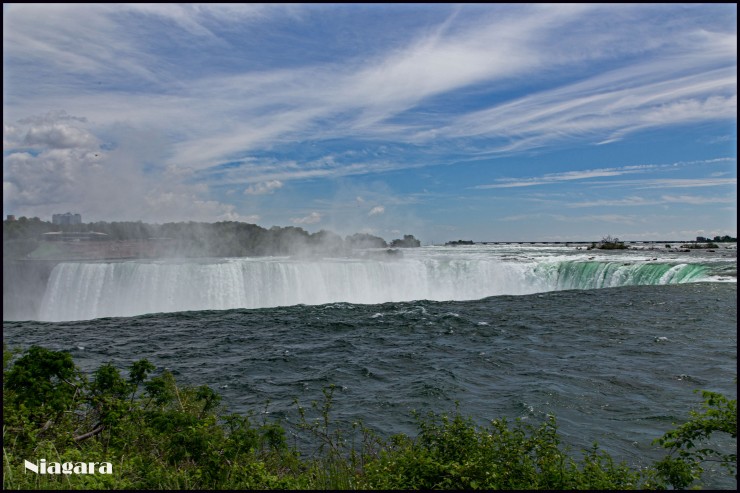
(497, 122)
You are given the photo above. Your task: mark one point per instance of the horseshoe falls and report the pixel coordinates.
(88, 290)
(612, 343)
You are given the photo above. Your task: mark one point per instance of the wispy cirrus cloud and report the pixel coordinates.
(591, 174)
(698, 199)
(229, 114)
(637, 201)
(680, 183)
(553, 178)
(625, 202)
(596, 112)
(597, 218)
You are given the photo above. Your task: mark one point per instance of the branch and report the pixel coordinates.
(68, 382)
(89, 434)
(46, 426)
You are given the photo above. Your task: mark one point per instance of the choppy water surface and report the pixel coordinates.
(617, 366)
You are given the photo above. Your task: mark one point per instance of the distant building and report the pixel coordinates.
(66, 218)
(11, 217)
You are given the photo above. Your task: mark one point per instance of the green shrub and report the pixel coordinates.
(683, 465)
(159, 435)
(452, 453)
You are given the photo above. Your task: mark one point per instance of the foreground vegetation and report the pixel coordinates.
(158, 435)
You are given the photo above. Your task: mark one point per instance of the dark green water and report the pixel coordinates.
(616, 366)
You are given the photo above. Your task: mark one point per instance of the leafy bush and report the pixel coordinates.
(164, 437)
(452, 453)
(159, 435)
(683, 465)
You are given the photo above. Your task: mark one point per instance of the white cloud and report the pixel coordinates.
(67, 168)
(253, 218)
(679, 182)
(626, 202)
(10, 192)
(263, 188)
(54, 130)
(184, 205)
(604, 108)
(601, 218)
(58, 137)
(378, 209)
(698, 200)
(312, 218)
(554, 178)
(551, 178)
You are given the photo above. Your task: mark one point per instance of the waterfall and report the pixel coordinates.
(79, 290)
(595, 275)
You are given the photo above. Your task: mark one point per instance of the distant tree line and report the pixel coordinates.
(195, 239)
(717, 239)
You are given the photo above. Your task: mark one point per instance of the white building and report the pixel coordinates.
(66, 218)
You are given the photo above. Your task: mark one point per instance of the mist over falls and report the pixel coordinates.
(87, 290)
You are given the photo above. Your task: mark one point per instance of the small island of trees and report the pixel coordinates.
(609, 243)
(460, 242)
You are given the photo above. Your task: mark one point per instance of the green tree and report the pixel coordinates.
(684, 463)
(43, 380)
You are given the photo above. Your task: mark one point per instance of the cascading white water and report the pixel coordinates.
(78, 291)
(595, 275)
